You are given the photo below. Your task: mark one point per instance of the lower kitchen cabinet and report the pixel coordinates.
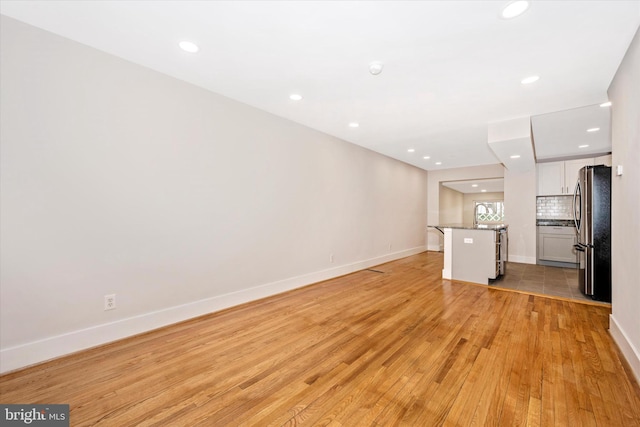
(556, 244)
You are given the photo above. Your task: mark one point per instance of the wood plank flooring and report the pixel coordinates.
(401, 347)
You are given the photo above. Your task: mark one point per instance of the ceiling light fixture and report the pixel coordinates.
(593, 130)
(354, 125)
(188, 46)
(426, 157)
(515, 156)
(295, 97)
(411, 150)
(438, 163)
(515, 8)
(376, 67)
(483, 191)
(474, 185)
(606, 104)
(583, 146)
(530, 80)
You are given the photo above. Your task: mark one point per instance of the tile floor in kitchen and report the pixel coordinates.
(561, 282)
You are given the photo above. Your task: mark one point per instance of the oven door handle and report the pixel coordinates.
(582, 247)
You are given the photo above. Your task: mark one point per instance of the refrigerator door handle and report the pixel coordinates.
(577, 193)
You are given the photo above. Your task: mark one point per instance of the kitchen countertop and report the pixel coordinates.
(463, 226)
(555, 222)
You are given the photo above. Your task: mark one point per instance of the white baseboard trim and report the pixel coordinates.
(626, 347)
(522, 259)
(20, 356)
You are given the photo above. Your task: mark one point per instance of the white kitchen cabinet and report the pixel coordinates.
(571, 169)
(559, 178)
(603, 160)
(550, 178)
(556, 244)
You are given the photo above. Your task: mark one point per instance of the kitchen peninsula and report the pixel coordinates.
(474, 252)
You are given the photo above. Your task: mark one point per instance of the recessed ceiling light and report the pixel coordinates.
(375, 68)
(295, 97)
(606, 104)
(515, 8)
(529, 80)
(354, 125)
(438, 163)
(426, 157)
(483, 191)
(474, 185)
(411, 150)
(515, 156)
(593, 130)
(583, 146)
(188, 46)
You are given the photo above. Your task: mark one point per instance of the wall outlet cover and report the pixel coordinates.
(109, 302)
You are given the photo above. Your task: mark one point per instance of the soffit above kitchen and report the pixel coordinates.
(448, 68)
(473, 186)
(580, 131)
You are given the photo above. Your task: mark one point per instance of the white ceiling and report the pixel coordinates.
(493, 185)
(450, 67)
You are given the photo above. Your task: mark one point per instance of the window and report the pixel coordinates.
(489, 211)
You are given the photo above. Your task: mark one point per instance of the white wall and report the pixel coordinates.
(469, 203)
(520, 214)
(434, 237)
(117, 179)
(624, 92)
(451, 205)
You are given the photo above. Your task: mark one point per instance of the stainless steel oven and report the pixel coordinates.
(502, 239)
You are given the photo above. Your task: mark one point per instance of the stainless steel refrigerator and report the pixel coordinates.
(592, 217)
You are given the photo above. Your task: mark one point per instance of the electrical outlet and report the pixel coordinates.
(331, 258)
(109, 302)
(389, 246)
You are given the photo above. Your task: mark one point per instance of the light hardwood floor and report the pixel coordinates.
(399, 346)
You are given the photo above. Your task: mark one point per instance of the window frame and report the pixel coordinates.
(488, 201)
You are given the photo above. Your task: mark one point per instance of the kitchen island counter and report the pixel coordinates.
(466, 226)
(474, 252)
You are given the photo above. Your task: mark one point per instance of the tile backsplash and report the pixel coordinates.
(554, 207)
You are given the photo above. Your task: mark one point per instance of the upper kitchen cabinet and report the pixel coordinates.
(559, 178)
(571, 169)
(603, 160)
(550, 178)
